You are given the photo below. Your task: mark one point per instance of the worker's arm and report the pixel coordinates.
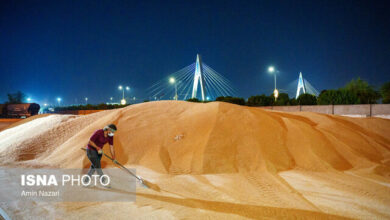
(112, 150)
(94, 145)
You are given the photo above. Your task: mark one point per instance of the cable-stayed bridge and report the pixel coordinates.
(305, 87)
(197, 80)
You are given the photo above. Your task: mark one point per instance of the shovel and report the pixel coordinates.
(143, 182)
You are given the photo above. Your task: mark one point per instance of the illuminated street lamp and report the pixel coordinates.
(123, 101)
(271, 70)
(59, 101)
(28, 99)
(173, 81)
(86, 100)
(276, 94)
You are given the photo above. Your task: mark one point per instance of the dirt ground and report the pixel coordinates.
(5, 122)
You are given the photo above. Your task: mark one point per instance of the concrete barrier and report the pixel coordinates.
(365, 110)
(380, 109)
(353, 110)
(293, 108)
(325, 109)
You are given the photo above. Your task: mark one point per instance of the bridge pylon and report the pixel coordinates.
(198, 79)
(301, 85)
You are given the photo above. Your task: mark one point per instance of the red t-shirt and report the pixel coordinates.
(99, 139)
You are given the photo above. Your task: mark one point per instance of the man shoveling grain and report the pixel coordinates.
(95, 148)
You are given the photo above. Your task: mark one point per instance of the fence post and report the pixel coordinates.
(370, 110)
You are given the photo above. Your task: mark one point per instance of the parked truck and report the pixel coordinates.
(19, 110)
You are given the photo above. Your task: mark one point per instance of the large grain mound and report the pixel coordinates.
(212, 156)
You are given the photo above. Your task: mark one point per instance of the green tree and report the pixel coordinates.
(307, 99)
(337, 97)
(193, 100)
(385, 92)
(363, 91)
(16, 98)
(326, 97)
(233, 100)
(260, 100)
(282, 99)
(102, 106)
(293, 101)
(346, 97)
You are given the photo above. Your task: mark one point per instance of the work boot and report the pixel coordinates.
(85, 181)
(104, 181)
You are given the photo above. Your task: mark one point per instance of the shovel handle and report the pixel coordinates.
(117, 163)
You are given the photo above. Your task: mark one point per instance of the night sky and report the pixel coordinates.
(77, 49)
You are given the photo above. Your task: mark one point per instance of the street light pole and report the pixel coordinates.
(128, 89)
(271, 70)
(275, 80)
(175, 91)
(173, 81)
(123, 101)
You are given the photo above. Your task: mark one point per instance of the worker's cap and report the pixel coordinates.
(111, 127)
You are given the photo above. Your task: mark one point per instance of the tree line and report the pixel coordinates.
(357, 91)
(102, 106)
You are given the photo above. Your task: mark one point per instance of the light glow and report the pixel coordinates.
(276, 93)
